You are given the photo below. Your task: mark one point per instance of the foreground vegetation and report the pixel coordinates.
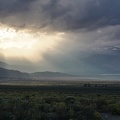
(57, 102)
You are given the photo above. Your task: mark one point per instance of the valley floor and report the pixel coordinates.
(60, 100)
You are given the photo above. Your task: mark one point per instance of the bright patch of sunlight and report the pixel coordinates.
(23, 43)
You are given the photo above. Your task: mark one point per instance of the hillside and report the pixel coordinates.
(6, 73)
(51, 74)
(3, 65)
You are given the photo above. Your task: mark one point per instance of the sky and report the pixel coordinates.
(72, 36)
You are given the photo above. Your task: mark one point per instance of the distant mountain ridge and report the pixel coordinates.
(51, 74)
(3, 65)
(6, 73)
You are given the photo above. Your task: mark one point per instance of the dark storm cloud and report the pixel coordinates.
(53, 9)
(61, 14)
(97, 13)
(9, 7)
(81, 14)
(24, 13)
(12, 12)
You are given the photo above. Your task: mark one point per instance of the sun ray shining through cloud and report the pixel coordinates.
(26, 44)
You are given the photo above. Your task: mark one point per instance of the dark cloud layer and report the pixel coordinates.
(61, 15)
(11, 7)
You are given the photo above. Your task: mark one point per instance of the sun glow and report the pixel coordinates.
(26, 44)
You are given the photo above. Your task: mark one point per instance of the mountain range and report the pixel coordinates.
(3, 64)
(9, 73)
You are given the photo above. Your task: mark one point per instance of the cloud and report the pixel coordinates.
(91, 28)
(93, 14)
(31, 14)
(90, 52)
(12, 7)
(59, 15)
